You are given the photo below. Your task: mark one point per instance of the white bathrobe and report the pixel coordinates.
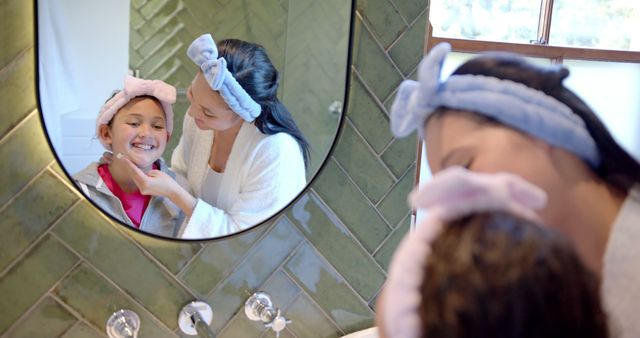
(621, 271)
(263, 174)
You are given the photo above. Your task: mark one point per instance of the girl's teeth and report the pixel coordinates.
(143, 146)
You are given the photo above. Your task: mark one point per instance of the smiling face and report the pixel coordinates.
(138, 131)
(208, 108)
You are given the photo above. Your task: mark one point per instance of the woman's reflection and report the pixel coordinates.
(241, 157)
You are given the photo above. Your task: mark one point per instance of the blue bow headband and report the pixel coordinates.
(508, 102)
(204, 53)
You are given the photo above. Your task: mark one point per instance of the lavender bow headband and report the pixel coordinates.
(134, 87)
(204, 53)
(508, 102)
(452, 194)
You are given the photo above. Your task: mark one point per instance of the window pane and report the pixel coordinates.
(611, 90)
(492, 20)
(604, 24)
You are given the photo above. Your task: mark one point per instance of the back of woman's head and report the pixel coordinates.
(495, 275)
(618, 167)
(252, 68)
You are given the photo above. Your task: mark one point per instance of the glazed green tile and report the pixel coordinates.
(407, 52)
(22, 223)
(374, 302)
(394, 206)
(240, 326)
(367, 116)
(58, 169)
(95, 299)
(373, 64)
(17, 90)
(160, 25)
(383, 19)
(383, 256)
(82, 330)
(153, 8)
(262, 261)
(281, 289)
(115, 255)
(389, 102)
(401, 154)
(48, 319)
(344, 199)
(410, 9)
(156, 50)
(217, 260)
(138, 3)
(19, 168)
(286, 333)
(16, 29)
(331, 239)
(329, 290)
(308, 321)
(55, 166)
(362, 165)
(36, 273)
(172, 254)
(135, 39)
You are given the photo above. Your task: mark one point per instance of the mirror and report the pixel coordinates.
(86, 48)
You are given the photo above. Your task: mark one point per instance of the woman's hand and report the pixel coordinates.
(157, 183)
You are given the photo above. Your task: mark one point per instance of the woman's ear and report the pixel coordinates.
(104, 132)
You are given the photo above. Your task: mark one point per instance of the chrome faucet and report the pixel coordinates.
(260, 308)
(194, 319)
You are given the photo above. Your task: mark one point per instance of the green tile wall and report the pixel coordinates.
(64, 268)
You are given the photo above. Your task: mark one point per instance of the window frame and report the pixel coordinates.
(536, 48)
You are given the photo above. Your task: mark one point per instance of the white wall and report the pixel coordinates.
(83, 57)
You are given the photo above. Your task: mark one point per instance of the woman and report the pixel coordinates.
(241, 154)
(499, 113)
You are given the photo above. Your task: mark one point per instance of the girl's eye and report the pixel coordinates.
(133, 124)
(159, 127)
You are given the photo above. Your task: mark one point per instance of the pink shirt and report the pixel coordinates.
(134, 204)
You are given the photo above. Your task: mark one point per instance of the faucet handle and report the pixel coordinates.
(278, 324)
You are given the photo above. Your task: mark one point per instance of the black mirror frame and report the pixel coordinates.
(251, 228)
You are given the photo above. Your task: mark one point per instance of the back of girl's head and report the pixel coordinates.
(495, 275)
(252, 68)
(618, 167)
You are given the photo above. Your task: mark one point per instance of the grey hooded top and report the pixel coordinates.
(161, 217)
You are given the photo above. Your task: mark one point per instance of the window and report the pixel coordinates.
(601, 24)
(597, 40)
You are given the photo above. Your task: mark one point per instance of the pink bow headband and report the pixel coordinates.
(452, 194)
(134, 87)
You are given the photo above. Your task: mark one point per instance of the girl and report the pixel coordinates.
(241, 153)
(136, 122)
(480, 266)
(498, 112)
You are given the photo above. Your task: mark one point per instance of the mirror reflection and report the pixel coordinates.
(192, 119)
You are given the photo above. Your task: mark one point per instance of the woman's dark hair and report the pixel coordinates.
(618, 167)
(495, 275)
(250, 65)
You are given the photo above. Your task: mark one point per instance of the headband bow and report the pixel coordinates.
(452, 194)
(134, 87)
(511, 103)
(204, 53)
